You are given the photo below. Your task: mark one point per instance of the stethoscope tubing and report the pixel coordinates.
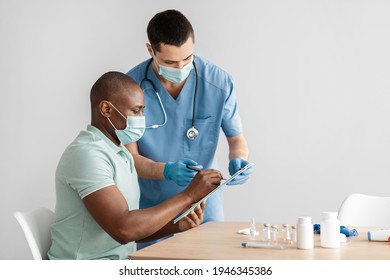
(192, 132)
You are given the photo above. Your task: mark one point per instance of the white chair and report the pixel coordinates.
(365, 210)
(36, 228)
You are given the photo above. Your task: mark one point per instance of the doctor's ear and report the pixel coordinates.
(150, 49)
(105, 108)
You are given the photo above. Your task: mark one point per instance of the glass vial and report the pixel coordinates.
(274, 233)
(266, 232)
(330, 230)
(285, 233)
(293, 234)
(305, 234)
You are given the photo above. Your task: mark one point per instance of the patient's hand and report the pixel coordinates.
(193, 219)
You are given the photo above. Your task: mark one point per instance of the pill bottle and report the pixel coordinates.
(305, 234)
(330, 230)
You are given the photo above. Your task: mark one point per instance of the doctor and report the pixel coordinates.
(188, 100)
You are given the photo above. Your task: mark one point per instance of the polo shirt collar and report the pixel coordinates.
(117, 149)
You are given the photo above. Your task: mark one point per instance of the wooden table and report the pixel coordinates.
(220, 241)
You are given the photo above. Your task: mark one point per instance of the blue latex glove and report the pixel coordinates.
(179, 173)
(234, 165)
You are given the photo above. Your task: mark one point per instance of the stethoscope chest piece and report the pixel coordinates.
(192, 133)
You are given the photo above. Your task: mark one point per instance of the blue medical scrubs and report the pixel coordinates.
(216, 108)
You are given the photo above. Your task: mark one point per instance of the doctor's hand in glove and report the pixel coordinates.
(179, 173)
(234, 165)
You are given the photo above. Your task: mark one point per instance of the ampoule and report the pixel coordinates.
(252, 229)
(266, 232)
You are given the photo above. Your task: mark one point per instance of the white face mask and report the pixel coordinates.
(135, 128)
(174, 75)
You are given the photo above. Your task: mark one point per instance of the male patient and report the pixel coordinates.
(97, 214)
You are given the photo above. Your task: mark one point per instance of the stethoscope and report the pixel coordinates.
(192, 132)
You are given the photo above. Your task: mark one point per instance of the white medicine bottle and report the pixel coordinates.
(305, 233)
(330, 230)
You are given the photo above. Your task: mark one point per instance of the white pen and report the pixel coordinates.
(260, 244)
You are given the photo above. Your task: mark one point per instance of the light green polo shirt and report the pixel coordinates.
(91, 162)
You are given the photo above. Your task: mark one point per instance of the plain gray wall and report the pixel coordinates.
(312, 82)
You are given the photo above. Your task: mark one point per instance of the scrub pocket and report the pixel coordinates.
(208, 136)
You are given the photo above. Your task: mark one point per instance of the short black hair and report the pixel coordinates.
(108, 86)
(169, 27)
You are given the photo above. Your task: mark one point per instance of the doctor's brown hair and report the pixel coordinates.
(169, 27)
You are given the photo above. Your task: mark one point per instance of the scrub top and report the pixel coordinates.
(216, 108)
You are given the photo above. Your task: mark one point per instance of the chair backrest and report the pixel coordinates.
(36, 228)
(365, 210)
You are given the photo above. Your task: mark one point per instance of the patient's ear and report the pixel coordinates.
(105, 108)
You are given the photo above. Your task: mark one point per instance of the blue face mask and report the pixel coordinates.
(174, 75)
(135, 128)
